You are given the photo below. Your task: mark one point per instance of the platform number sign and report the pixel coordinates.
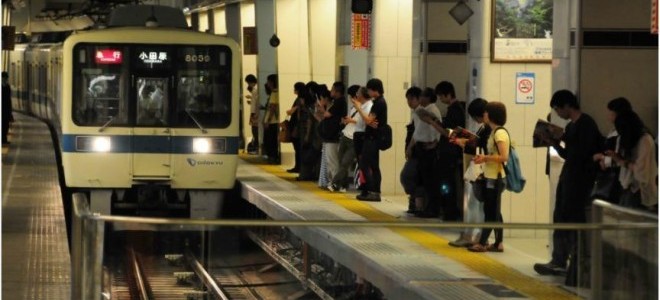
(525, 88)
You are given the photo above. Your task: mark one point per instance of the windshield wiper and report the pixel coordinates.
(106, 124)
(196, 122)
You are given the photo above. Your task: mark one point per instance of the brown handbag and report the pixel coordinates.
(284, 135)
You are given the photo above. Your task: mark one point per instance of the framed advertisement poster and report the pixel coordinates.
(521, 31)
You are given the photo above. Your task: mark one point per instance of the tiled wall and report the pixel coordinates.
(497, 82)
(390, 60)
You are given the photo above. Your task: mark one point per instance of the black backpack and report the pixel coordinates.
(329, 129)
(384, 138)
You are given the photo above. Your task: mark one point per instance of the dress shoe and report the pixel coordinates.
(478, 248)
(550, 269)
(293, 170)
(371, 197)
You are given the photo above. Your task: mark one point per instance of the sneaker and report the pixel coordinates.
(342, 189)
(461, 242)
(332, 187)
(550, 269)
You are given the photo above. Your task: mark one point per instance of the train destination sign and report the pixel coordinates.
(108, 56)
(153, 57)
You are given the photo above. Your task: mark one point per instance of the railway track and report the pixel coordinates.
(183, 276)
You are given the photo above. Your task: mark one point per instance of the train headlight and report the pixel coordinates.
(93, 144)
(201, 145)
(209, 145)
(101, 144)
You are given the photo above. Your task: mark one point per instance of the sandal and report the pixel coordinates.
(478, 248)
(495, 248)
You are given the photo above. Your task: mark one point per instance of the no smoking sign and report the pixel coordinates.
(525, 88)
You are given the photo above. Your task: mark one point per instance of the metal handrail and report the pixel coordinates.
(85, 222)
(342, 223)
(624, 210)
(598, 211)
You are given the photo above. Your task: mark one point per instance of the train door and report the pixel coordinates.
(152, 141)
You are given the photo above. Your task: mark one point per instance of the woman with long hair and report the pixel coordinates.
(637, 159)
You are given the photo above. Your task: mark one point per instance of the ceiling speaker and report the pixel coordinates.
(361, 6)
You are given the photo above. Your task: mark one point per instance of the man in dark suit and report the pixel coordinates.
(6, 107)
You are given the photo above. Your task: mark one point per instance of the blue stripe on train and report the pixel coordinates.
(151, 144)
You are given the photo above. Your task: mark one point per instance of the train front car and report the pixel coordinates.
(150, 120)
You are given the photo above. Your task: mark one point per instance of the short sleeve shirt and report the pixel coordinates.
(491, 168)
(274, 99)
(424, 132)
(360, 126)
(254, 104)
(379, 109)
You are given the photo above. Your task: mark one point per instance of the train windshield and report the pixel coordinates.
(152, 86)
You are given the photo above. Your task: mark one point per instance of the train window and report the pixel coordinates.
(152, 104)
(203, 87)
(99, 92)
(100, 101)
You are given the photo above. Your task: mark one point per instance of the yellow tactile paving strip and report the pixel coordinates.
(478, 262)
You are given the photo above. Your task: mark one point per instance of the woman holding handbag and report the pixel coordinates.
(475, 207)
(497, 148)
(607, 186)
(294, 124)
(637, 160)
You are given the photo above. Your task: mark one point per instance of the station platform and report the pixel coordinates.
(404, 263)
(35, 254)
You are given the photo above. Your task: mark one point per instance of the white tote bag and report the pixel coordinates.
(473, 170)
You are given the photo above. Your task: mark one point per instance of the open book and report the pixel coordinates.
(546, 134)
(462, 133)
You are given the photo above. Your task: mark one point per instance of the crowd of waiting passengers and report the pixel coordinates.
(337, 139)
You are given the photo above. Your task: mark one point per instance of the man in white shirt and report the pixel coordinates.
(423, 148)
(346, 151)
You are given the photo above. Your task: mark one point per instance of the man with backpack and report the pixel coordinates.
(376, 121)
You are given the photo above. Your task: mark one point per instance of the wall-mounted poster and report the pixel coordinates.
(521, 31)
(361, 31)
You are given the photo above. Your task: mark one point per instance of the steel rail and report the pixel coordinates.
(206, 278)
(142, 286)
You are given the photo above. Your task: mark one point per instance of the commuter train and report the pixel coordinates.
(145, 117)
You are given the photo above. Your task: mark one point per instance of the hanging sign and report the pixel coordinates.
(361, 31)
(525, 88)
(8, 37)
(250, 41)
